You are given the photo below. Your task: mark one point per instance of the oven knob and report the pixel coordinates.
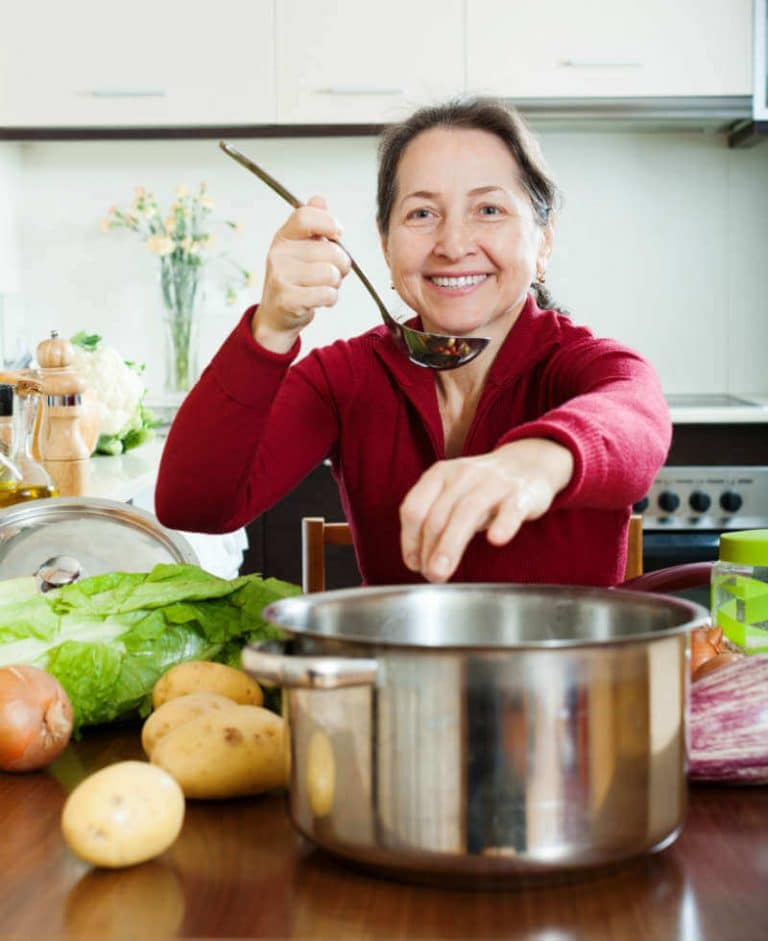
(641, 506)
(730, 501)
(669, 501)
(699, 501)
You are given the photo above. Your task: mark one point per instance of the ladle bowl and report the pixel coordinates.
(431, 350)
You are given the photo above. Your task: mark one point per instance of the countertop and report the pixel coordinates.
(125, 476)
(754, 411)
(238, 870)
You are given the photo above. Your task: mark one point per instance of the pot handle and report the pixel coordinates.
(309, 672)
(674, 578)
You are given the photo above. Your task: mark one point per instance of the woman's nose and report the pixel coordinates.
(454, 239)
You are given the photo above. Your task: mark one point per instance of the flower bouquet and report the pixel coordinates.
(182, 240)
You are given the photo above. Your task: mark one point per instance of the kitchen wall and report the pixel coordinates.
(662, 242)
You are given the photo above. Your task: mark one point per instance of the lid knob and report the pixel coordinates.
(57, 571)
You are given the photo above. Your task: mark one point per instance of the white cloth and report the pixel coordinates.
(220, 555)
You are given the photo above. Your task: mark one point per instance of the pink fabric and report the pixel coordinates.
(254, 426)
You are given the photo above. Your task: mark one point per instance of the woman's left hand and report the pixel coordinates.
(496, 492)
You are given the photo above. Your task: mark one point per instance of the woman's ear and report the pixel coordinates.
(547, 241)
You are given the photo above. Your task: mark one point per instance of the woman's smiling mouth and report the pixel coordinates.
(457, 282)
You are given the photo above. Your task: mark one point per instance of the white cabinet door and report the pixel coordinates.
(609, 48)
(143, 63)
(355, 61)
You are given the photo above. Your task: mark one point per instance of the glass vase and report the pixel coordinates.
(182, 296)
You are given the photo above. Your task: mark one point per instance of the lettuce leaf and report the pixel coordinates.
(109, 638)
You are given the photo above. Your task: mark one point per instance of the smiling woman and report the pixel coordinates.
(522, 465)
(465, 252)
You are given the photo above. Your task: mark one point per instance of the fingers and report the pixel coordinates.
(413, 514)
(450, 523)
(313, 250)
(311, 221)
(458, 498)
(305, 268)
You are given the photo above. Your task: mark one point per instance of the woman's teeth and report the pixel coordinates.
(464, 281)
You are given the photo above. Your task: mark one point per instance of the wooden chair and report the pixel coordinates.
(316, 534)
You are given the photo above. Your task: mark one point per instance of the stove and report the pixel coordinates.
(706, 497)
(715, 480)
(689, 506)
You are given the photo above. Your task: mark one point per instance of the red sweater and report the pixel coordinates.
(254, 426)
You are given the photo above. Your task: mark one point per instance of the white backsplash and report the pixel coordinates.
(662, 242)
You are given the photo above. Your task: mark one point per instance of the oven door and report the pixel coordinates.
(662, 549)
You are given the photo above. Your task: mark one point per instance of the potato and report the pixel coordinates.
(202, 676)
(231, 753)
(124, 814)
(176, 712)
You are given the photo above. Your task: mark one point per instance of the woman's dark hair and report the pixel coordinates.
(476, 114)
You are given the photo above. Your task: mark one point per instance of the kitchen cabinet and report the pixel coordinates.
(88, 63)
(560, 49)
(346, 62)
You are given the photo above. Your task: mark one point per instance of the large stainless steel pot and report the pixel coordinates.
(478, 733)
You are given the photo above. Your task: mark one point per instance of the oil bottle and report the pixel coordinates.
(36, 482)
(10, 475)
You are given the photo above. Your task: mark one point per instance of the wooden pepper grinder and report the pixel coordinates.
(62, 449)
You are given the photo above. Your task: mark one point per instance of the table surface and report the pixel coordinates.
(238, 870)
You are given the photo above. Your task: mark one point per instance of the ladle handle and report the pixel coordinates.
(293, 201)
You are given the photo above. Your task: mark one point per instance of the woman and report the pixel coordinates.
(519, 466)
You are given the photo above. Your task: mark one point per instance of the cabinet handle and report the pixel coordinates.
(124, 93)
(359, 90)
(602, 63)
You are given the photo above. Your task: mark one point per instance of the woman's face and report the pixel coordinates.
(463, 245)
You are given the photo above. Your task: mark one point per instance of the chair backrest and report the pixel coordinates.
(316, 534)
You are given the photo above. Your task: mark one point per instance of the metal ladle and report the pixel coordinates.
(433, 350)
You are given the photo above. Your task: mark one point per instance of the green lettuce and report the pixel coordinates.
(108, 638)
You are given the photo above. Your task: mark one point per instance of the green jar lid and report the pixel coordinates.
(748, 547)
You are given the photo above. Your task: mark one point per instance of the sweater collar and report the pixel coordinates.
(514, 356)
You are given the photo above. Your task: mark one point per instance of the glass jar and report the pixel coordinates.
(36, 481)
(740, 589)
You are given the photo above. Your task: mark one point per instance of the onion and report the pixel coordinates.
(728, 723)
(35, 718)
(714, 663)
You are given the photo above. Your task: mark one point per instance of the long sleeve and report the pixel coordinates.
(613, 418)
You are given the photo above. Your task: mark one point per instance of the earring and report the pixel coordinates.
(392, 285)
(541, 275)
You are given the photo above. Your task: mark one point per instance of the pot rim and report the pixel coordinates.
(279, 612)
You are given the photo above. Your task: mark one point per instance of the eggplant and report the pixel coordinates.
(728, 723)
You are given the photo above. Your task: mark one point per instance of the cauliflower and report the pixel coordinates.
(116, 383)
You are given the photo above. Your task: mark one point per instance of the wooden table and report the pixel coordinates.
(239, 871)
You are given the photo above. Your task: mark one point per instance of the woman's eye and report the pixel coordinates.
(490, 210)
(419, 214)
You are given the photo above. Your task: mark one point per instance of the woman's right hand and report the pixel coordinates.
(305, 269)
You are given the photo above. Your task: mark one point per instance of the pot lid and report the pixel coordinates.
(70, 537)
